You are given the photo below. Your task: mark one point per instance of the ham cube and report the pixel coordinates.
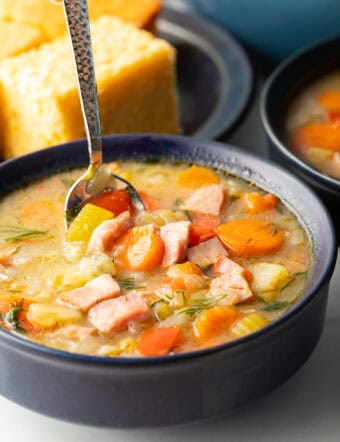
(207, 199)
(175, 237)
(115, 314)
(206, 252)
(100, 288)
(233, 284)
(106, 233)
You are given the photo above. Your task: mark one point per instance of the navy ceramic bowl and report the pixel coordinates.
(141, 392)
(290, 78)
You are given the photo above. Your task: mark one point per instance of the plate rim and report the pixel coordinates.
(225, 48)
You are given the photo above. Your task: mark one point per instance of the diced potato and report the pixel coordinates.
(162, 310)
(86, 221)
(74, 250)
(249, 324)
(49, 315)
(161, 217)
(268, 278)
(317, 155)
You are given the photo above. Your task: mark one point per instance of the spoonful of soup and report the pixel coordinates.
(98, 184)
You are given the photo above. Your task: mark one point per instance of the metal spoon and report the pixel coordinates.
(98, 176)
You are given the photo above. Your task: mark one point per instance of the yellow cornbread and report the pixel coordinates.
(50, 19)
(18, 37)
(135, 72)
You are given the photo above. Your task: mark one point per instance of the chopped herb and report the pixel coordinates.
(178, 202)
(199, 305)
(206, 269)
(280, 210)
(130, 284)
(303, 275)
(274, 229)
(18, 233)
(15, 251)
(234, 198)
(15, 291)
(187, 214)
(276, 306)
(13, 320)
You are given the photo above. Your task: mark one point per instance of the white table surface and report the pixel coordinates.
(304, 409)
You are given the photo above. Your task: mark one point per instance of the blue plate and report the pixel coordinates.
(214, 74)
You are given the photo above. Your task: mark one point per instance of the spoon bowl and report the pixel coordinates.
(98, 177)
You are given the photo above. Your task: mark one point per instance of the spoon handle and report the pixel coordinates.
(77, 18)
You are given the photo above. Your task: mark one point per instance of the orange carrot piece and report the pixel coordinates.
(26, 324)
(322, 135)
(215, 321)
(143, 249)
(196, 176)
(248, 238)
(159, 341)
(184, 268)
(256, 202)
(330, 100)
(202, 228)
(149, 203)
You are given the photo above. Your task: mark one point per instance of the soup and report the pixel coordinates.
(212, 259)
(313, 125)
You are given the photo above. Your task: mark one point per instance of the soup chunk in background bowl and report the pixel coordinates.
(210, 285)
(300, 113)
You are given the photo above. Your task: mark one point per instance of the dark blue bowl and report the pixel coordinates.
(290, 78)
(141, 392)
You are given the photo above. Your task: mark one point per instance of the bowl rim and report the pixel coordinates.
(60, 355)
(267, 90)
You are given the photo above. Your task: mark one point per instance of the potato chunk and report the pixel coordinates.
(49, 315)
(268, 278)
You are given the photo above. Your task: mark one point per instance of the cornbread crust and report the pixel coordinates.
(50, 18)
(136, 88)
(18, 37)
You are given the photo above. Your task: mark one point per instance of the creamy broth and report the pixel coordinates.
(313, 125)
(201, 281)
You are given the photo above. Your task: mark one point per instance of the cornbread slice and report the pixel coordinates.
(50, 17)
(39, 104)
(18, 37)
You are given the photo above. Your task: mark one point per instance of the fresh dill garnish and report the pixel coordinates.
(12, 318)
(187, 214)
(303, 275)
(17, 233)
(274, 229)
(199, 305)
(206, 269)
(178, 202)
(130, 284)
(16, 250)
(280, 210)
(234, 198)
(276, 306)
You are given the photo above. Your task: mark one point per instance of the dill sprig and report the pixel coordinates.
(130, 284)
(17, 233)
(276, 306)
(13, 319)
(199, 305)
(303, 275)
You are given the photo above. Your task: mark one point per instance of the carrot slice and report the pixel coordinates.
(330, 100)
(149, 203)
(322, 135)
(202, 228)
(214, 321)
(256, 202)
(184, 268)
(159, 341)
(115, 201)
(196, 176)
(248, 238)
(143, 249)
